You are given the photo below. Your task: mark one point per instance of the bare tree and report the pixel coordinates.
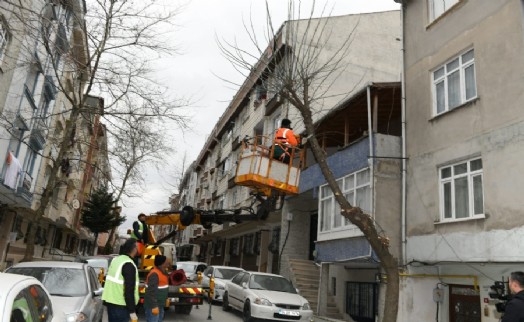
(103, 49)
(304, 69)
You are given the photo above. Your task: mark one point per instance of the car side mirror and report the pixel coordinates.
(244, 285)
(98, 292)
(298, 292)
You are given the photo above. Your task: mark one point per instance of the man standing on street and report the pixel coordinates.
(514, 311)
(157, 287)
(121, 287)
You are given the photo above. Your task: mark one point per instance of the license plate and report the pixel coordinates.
(174, 300)
(289, 313)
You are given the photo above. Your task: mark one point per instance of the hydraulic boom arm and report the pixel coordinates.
(188, 216)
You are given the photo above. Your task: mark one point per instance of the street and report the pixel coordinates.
(200, 314)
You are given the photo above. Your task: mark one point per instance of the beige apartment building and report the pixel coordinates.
(34, 113)
(464, 88)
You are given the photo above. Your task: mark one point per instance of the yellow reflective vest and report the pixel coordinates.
(114, 286)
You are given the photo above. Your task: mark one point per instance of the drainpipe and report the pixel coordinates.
(371, 159)
(404, 153)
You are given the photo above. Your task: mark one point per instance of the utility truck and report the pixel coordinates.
(269, 180)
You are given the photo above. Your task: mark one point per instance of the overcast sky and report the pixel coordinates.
(196, 71)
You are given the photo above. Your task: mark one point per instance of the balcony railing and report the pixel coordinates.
(24, 187)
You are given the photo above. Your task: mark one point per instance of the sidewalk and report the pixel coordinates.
(325, 319)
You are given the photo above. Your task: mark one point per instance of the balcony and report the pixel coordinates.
(24, 187)
(349, 160)
(273, 103)
(37, 138)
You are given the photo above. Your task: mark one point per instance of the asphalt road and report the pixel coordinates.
(201, 314)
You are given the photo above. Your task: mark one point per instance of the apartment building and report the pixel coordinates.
(360, 131)
(42, 45)
(465, 129)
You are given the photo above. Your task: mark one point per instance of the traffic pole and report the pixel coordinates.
(210, 305)
(211, 295)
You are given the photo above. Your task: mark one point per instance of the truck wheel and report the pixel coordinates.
(225, 303)
(187, 216)
(183, 309)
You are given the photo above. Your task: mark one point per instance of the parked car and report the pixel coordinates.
(24, 298)
(221, 274)
(100, 263)
(265, 296)
(74, 288)
(191, 269)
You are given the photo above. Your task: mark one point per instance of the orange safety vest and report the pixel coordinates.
(285, 136)
(163, 279)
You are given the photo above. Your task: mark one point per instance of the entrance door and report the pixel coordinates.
(464, 304)
(313, 227)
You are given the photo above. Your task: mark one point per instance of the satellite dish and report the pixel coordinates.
(75, 203)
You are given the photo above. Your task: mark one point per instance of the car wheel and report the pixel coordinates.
(246, 314)
(225, 303)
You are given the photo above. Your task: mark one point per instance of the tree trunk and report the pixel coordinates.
(379, 244)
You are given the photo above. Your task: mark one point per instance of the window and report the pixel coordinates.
(356, 188)
(234, 247)
(4, 38)
(454, 83)
(361, 301)
(249, 244)
(461, 190)
(438, 7)
(238, 278)
(41, 302)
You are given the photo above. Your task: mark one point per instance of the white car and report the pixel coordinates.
(265, 296)
(221, 274)
(24, 298)
(74, 288)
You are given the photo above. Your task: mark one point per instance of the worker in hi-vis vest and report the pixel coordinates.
(121, 288)
(285, 141)
(140, 230)
(157, 288)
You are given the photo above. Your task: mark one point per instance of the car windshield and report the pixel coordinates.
(271, 283)
(226, 273)
(59, 281)
(190, 268)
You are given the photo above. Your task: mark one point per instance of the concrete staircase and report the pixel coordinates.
(306, 277)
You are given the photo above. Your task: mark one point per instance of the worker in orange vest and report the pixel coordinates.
(157, 288)
(285, 141)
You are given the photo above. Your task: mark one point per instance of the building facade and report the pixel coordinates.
(463, 87)
(358, 121)
(43, 52)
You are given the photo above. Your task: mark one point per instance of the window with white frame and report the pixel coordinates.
(4, 38)
(461, 190)
(454, 83)
(438, 7)
(357, 190)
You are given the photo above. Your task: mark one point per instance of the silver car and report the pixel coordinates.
(221, 274)
(74, 288)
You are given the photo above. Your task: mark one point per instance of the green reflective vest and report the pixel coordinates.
(21, 305)
(114, 286)
(140, 230)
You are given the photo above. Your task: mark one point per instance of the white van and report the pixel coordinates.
(169, 251)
